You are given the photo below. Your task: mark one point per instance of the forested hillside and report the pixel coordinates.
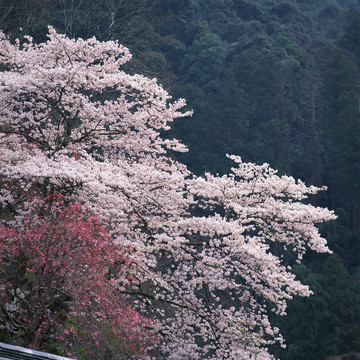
(269, 80)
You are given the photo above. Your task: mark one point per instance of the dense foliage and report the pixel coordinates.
(273, 81)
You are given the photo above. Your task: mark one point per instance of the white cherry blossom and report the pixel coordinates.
(199, 254)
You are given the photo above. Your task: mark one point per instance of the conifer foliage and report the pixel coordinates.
(89, 188)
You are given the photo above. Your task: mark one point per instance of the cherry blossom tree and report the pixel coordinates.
(199, 259)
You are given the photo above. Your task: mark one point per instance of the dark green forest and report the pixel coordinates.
(270, 80)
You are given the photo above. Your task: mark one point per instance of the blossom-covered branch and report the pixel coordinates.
(196, 255)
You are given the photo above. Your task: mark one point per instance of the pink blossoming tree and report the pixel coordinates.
(56, 262)
(199, 263)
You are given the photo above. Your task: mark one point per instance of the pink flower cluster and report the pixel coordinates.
(55, 286)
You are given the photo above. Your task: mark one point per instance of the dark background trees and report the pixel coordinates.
(273, 81)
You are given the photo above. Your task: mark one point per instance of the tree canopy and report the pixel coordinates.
(193, 254)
